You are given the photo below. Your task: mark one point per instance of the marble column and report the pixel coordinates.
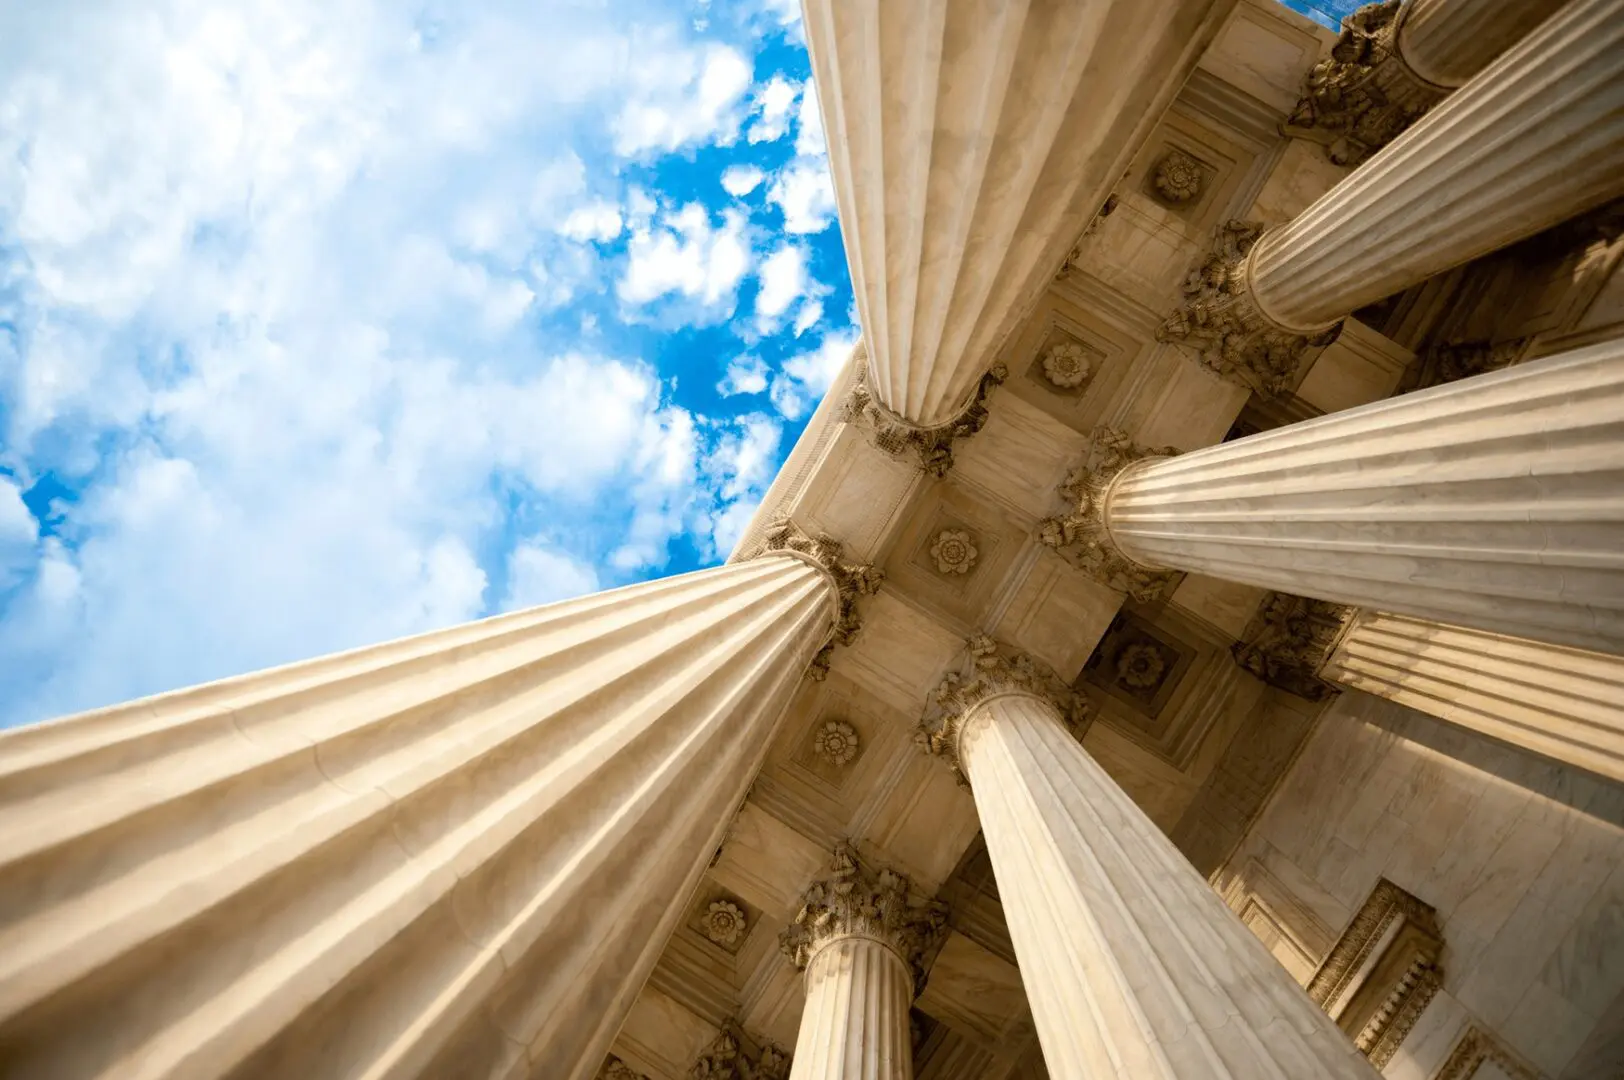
(1395, 60)
(970, 144)
(1496, 503)
(1564, 704)
(862, 936)
(1534, 139)
(457, 854)
(1134, 967)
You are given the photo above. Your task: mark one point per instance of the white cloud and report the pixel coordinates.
(741, 180)
(771, 110)
(682, 97)
(598, 221)
(804, 193)
(741, 467)
(539, 573)
(17, 524)
(744, 375)
(809, 141)
(806, 376)
(784, 280)
(686, 255)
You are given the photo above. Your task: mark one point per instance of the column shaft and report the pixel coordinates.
(970, 144)
(1565, 704)
(855, 1027)
(1534, 139)
(453, 855)
(1446, 42)
(1134, 968)
(1496, 502)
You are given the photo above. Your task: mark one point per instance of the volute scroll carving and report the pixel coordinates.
(858, 900)
(1080, 534)
(990, 672)
(1222, 321)
(931, 447)
(850, 579)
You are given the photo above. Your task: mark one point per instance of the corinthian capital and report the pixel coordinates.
(990, 672)
(931, 447)
(1080, 534)
(1288, 640)
(1362, 96)
(1220, 318)
(861, 901)
(850, 580)
(732, 1057)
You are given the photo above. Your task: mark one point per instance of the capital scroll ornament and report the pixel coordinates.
(857, 900)
(1080, 535)
(991, 672)
(730, 1058)
(931, 447)
(1287, 641)
(1362, 96)
(851, 580)
(1221, 320)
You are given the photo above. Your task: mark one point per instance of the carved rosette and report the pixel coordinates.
(1221, 320)
(990, 672)
(1080, 534)
(856, 900)
(731, 1058)
(851, 580)
(1362, 96)
(1288, 640)
(932, 447)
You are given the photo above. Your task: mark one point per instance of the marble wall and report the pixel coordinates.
(1522, 858)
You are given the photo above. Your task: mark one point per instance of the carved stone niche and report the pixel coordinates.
(1382, 972)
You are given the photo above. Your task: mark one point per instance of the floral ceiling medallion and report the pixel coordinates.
(725, 923)
(953, 551)
(1066, 365)
(1178, 178)
(836, 742)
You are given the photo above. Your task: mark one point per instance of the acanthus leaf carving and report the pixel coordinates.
(1221, 320)
(851, 580)
(1362, 96)
(733, 1056)
(1080, 534)
(990, 672)
(859, 900)
(615, 1069)
(1442, 364)
(1287, 641)
(931, 447)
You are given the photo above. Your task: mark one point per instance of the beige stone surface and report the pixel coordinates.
(977, 992)
(1359, 367)
(1520, 857)
(1134, 967)
(855, 1026)
(1493, 502)
(455, 854)
(949, 238)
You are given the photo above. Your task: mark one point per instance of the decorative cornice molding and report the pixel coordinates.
(731, 1057)
(1080, 535)
(850, 581)
(1289, 639)
(990, 672)
(860, 901)
(1221, 319)
(932, 447)
(1362, 96)
(1353, 957)
(1475, 1048)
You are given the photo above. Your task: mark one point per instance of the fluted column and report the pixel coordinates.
(1564, 704)
(1535, 138)
(1496, 502)
(970, 144)
(1396, 59)
(861, 938)
(453, 855)
(1133, 966)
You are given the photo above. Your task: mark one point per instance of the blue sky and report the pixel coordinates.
(328, 321)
